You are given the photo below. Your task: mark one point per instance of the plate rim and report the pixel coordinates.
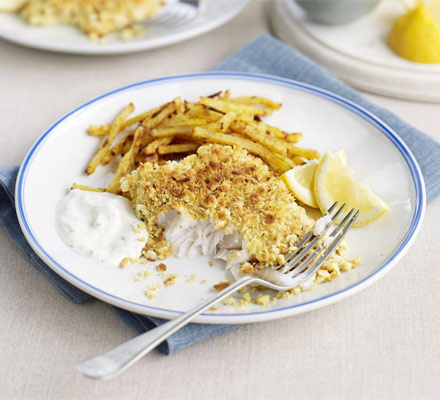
(233, 318)
(125, 47)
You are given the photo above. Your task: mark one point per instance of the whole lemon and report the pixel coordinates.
(416, 35)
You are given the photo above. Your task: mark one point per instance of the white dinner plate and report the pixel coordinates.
(177, 21)
(329, 122)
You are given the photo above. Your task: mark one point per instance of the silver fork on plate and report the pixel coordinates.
(312, 251)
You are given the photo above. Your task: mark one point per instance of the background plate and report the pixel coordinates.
(177, 21)
(358, 52)
(377, 155)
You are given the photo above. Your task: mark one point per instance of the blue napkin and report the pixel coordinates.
(264, 55)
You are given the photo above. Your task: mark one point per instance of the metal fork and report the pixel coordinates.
(312, 251)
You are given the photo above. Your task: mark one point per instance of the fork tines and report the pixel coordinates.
(314, 249)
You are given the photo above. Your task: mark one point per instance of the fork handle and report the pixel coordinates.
(119, 358)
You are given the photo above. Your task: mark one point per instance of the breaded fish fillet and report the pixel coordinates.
(221, 201)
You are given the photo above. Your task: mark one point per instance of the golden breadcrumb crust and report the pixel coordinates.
(228, 186)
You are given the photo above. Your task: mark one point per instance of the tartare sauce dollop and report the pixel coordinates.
(100, 225)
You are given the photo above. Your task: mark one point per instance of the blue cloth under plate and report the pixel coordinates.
(265, 55)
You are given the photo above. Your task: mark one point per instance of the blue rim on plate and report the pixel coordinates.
(416, 175)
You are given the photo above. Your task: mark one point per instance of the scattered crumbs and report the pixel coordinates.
(142, 239)
(262, 299)
(247, 297)
(130, 32)
(150, 294)
(138, 228)
(247, 268)
(229, 301)
(295, 290)
(192, 278)
(213, 308)
(127, 260)
(143, 261)
(211, 263)
(221, 285)
(170, 280)
(151, 255)
(280, 259)
(154, 287)
(243, 303)
(138, 279)
(282, 295)
(161, 267)
(145, 274)
(234, 255)
(203, 281)
(242, 290)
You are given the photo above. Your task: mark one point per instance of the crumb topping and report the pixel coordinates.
(226, 185)
(161, 267)
(221, 285)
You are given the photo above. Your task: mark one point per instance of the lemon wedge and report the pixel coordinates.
(416, 34)
(333, 181)
(11, 5)
(300, 180)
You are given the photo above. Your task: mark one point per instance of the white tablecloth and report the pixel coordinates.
(383, 343)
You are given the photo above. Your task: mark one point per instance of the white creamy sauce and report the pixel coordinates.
(100, 225)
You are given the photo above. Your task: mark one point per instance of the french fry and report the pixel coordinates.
(216, 94)
(177, 148)
(119, 148)
(180, 107)
(153, 158)
(280, 134)
(254, 134)
(227, 94)
(270, 130)
(276, 162)
(223, 123)
(127, 161)
(185, 131)
(293, 137)
(308, 154)
(157, 117)
(181, 120)
(86, 188)
(298, 160)
(102, 130)
(152, 147)
(98, 130)
(255, 100)
(199, 111)
(228, 106)
(106, 144)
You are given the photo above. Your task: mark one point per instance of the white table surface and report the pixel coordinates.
(383, 343)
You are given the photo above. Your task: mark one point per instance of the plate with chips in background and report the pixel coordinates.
(112, 26)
